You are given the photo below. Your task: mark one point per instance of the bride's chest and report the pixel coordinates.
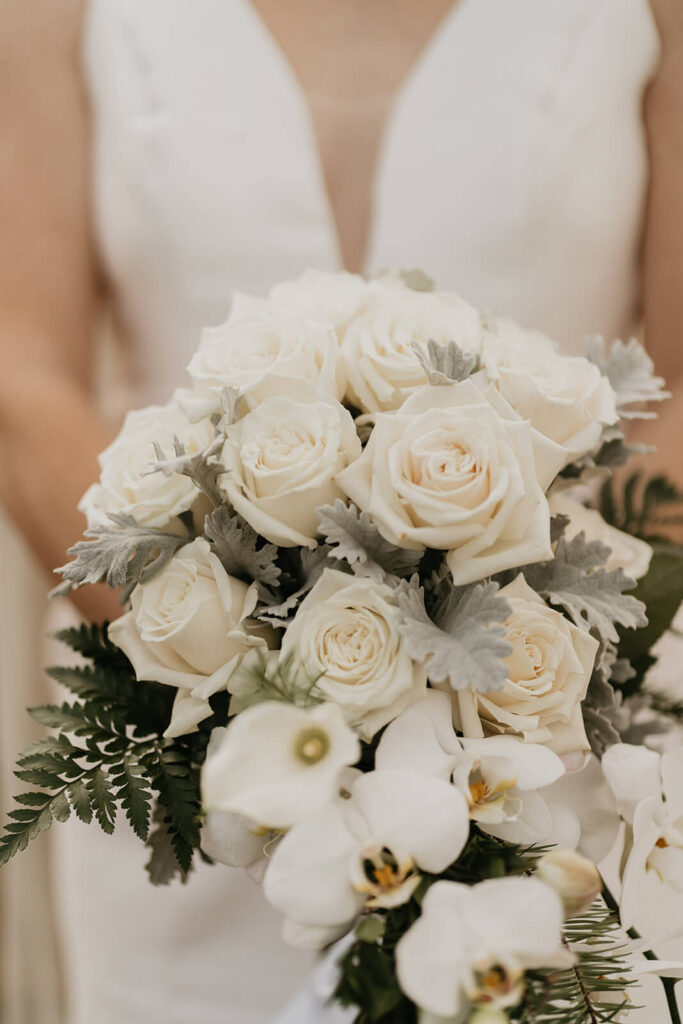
(515, 144)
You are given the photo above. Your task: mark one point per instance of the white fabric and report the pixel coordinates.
(513, 169)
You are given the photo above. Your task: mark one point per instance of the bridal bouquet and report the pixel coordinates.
(378, 652)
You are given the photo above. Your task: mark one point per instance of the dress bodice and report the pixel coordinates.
(512, 168)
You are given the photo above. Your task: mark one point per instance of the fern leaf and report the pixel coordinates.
(132, 791)
(104, 805)
(80, 800)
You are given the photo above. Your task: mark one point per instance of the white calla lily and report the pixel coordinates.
(472, 944)
(277, 763)
(365, 851)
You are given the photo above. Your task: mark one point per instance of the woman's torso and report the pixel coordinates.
(512, 168)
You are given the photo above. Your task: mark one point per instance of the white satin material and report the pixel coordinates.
(513, 169)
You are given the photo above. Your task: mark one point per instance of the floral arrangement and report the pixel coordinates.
(377, 651)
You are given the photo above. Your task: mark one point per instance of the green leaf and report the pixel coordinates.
(80, 800)
(100, 792)
(60, 807)
(466, 644)
(132, 791)
(354, 538)
(162, 866)
(177, 783)
(661, 591)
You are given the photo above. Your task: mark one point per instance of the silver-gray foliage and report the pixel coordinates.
(240, 549)
(203, 468)
(313, 564)
(445, 364)
(466, 645)
(123, 554)
(630, 371)
(354, 538)
(592, 596)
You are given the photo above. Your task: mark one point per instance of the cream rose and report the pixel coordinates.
(454, 472)
(126, 484)
(381, 367)
(626, 552)
(188, 628)
(348, 629)
(333, 299)
(240, 352)
(548, 674)
(282, 459)
(566, 398)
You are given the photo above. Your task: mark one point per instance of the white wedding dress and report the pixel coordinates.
(513, 169)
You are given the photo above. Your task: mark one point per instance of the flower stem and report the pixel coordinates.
(669, 984)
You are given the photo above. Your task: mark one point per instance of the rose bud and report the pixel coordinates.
(574, 878)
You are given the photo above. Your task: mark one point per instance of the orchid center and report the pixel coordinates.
(666, 856)
(487, 792)
(386, 878)
(311, 745)
(495, 984)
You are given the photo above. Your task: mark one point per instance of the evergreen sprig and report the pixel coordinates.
(109, 755)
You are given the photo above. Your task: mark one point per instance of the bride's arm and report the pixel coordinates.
(49, 432)
(663, 268)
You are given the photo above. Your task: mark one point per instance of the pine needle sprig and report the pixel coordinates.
(595, 989)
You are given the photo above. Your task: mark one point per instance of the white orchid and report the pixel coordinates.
(649, 791)
(584, 811)
(276, 763)
(364, 851)
(499, 776)
(472, 944)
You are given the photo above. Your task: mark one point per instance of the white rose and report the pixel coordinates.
(349, 629)
(333, 299)
(282, 460)
(566, 398)
(240, 352)
(126, 484)
(626, 552)
(187, 628)
(450, 471)
(548, 674)
(381, 367)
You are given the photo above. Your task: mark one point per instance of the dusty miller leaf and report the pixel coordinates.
(355, 539)
(239, 548)
(203, 468)
(630, 371)
(467, 644)
(592, 596)
(122, 554)
(313, 564)
(416, 280)
(444, 364)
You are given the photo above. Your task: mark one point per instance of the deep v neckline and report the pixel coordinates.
(299, 98)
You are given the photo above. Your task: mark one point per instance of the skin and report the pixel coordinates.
(50, 433)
